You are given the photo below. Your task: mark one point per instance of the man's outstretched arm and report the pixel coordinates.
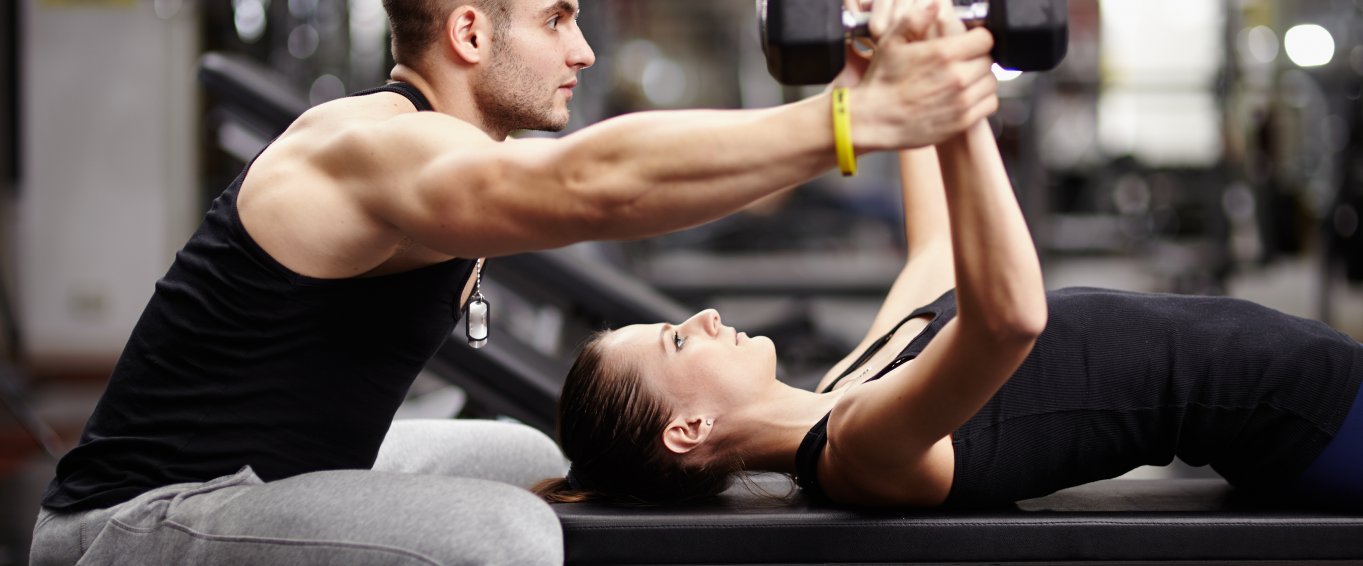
(653, 172)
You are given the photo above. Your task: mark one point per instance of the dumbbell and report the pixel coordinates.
(805, 40)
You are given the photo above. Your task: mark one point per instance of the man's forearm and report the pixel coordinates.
(655, 172)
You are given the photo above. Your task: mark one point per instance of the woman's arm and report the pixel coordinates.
(889, 436)
(927, 271)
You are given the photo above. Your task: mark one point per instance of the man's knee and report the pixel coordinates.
(512, 527)
(539, 454)
(510, 453)
(56, 540)
(342, 517)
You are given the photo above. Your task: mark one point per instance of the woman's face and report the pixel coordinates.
(698, 363)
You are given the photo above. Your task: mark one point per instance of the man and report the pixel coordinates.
(254, 395)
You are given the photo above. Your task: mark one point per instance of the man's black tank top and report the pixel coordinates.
(1119, 380)
(239, 361)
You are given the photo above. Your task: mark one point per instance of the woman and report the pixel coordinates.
(973, 386)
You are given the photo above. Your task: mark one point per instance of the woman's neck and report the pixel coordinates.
(768, 433)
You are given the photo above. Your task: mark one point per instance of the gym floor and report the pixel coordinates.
(64, 401)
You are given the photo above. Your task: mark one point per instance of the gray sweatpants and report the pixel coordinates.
(441, 492)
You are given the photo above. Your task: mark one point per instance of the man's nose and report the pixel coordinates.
(580, 54)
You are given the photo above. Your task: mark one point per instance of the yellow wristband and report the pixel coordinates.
(842, 131)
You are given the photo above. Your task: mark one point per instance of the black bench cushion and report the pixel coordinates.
(1192, 520)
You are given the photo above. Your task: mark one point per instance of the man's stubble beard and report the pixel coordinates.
(507, 97)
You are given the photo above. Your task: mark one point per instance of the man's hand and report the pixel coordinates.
(860, 51)
(929, 78)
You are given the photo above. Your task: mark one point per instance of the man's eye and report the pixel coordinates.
(553, 23)
(678, 340)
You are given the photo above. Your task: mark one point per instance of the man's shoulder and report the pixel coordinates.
(383, 121)
(352, 111)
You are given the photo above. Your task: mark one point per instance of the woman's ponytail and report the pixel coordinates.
(559, 490)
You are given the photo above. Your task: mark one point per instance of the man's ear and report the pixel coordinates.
(684, 434)
(465, 34)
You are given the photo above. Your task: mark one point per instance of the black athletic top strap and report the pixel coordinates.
(807, 458)
(418, 100)
(935, 308)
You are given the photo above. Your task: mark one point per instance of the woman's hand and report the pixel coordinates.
(947, 23)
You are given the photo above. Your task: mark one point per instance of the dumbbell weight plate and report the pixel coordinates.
(1029, 35)
(804, 41)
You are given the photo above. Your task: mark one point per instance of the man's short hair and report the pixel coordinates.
(416, 24)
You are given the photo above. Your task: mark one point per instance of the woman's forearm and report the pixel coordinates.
(925, 207)
(998, 277)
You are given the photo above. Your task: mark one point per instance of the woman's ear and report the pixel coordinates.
(684, 434)
(464, 34)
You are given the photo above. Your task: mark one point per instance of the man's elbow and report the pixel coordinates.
(594, 208)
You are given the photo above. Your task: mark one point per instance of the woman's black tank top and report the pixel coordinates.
(239, 361)
(1120, 379)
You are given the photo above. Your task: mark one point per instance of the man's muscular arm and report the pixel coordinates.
(648, 173)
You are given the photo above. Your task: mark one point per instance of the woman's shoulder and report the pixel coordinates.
(868, 469)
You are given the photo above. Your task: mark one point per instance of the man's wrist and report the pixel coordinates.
(867, 130)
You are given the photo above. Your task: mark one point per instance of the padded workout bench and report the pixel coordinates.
(1193, 521)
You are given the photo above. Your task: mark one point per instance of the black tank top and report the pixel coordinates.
(239, 361)
(1120, 379)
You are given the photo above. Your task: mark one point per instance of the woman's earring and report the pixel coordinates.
(709, 422)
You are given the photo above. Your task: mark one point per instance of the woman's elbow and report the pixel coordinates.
(1020, 325)
(1026, 324)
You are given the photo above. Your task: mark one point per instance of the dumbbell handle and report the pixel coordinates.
(859, 24)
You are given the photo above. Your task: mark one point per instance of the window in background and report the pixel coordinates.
(1158, 103)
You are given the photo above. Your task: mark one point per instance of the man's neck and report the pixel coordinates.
(449, 94)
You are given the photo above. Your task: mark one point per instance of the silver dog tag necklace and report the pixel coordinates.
(478, 312)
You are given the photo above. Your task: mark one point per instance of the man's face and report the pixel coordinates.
(533, 67)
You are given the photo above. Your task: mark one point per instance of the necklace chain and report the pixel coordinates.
(478, 281)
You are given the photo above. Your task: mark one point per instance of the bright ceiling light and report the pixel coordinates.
(1309, 45)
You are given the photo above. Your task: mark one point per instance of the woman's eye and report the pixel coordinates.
(678, 340)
